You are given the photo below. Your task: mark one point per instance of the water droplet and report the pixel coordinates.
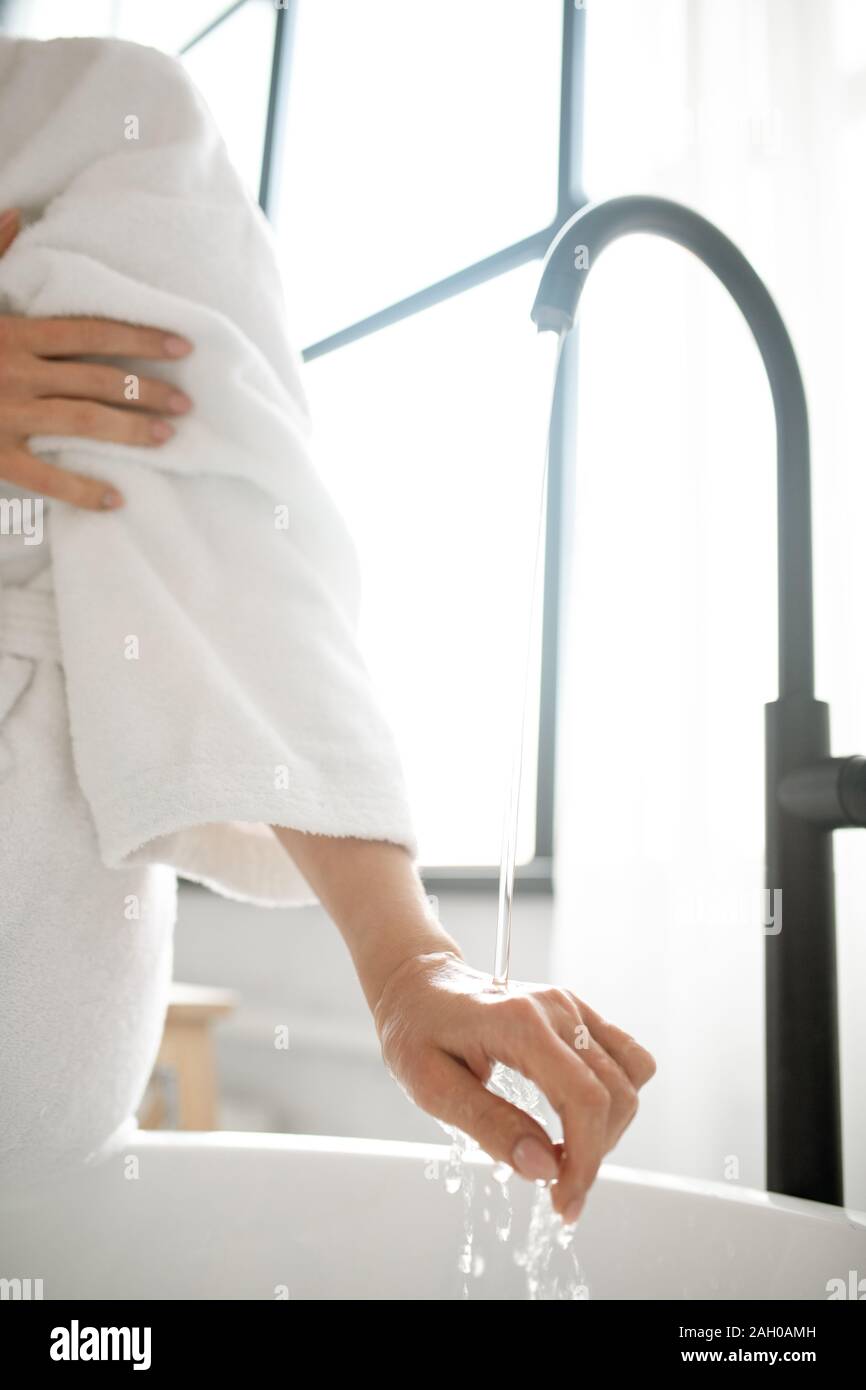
(564, 1237)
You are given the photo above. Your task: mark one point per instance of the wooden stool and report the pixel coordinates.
(187, 1051)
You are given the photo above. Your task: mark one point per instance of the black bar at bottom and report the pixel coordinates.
(234, 1338)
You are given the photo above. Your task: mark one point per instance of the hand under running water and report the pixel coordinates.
(442, 1028)
(45, 390)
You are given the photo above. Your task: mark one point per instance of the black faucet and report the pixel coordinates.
(809, 793)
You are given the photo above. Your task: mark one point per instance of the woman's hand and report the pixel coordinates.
(442, 1026)
(42, 391)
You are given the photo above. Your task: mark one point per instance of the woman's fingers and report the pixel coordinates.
(41, 395)
(623, 1093)
(90, 420)
(572, 1026)
(441, 1028)
(638, 1064)
(447, 1089)
(522, 1037)
(78, 337)
(565, 1015)
(35, 475)
(10, 225)
(89, 381)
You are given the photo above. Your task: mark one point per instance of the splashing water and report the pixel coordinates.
(548, 1258)
(553, 1270)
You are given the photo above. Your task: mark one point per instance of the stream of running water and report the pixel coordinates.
(547, 1255)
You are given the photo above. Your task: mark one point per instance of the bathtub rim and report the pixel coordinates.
(610, 1174)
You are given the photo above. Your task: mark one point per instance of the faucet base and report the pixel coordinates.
(804, 1127)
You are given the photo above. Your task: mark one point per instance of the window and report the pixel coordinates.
(414, 201)
(415, 163)
(430, 434)
(417, 140)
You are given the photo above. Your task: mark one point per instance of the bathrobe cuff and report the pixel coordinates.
(217, 688)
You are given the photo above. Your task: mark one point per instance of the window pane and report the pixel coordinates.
(431, 435)
(419, 139)
(232, 69)
(166, 25)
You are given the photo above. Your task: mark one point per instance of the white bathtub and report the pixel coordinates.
(251, 1216)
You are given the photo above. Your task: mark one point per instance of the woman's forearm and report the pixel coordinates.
(372, 891)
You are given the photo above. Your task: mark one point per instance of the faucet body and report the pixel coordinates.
(809, 794)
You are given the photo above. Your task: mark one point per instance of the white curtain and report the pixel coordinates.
(753, 112)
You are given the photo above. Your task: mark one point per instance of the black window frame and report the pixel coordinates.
(537, 875)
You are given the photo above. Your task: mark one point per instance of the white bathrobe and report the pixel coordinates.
(179, 674)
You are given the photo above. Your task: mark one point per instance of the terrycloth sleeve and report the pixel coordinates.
(208, 628)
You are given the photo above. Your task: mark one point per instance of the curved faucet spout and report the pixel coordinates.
(808, 793)
(569, 260)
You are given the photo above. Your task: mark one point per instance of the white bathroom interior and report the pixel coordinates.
(640, 851)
